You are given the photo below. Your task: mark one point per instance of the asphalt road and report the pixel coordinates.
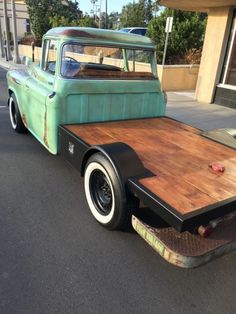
(54, 258)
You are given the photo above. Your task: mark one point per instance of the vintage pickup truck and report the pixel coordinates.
(95, 99)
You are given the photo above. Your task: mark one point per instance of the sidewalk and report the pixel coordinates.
(9, 65)
(182, 106)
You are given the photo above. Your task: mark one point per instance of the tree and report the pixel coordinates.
(136, 14)
(112, 20)
(155, 7)
(187, 34)
(87, 21)
(39, 16)
(58, 20)
(70, 10)
(45, 13)
(148, 10)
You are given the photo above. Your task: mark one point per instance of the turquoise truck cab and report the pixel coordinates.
(85, 75)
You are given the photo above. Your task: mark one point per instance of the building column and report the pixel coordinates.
(14, 29)
(2, 53)
(7, 33)
(212, 54)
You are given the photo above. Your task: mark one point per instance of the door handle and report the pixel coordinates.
(51, 95)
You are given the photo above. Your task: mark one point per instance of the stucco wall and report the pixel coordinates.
(27, 51)
(178, 77)
(213, 49)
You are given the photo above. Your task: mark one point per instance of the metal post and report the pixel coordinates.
(93, 10)
(165, 48)
(100, 14)
(168, 29)
(33, 47)
(14, 29)
(106, 16)
(2, 54)
(8, 50)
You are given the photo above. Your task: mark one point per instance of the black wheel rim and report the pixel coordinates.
(101, 192)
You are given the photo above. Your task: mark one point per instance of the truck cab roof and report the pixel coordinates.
(101, 36)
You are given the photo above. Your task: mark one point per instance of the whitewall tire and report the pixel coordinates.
(101, 202)
(15, 117)
(105, 195)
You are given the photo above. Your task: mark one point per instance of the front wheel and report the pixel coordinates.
(15, 117)
(105, 194)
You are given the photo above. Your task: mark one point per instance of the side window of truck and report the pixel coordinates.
(49, 56)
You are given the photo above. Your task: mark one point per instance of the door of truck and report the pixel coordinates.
(38, 87)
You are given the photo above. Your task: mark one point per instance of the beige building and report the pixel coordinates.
(22, 18)
(217, 74)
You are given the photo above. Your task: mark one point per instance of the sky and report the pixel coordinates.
(112, 5)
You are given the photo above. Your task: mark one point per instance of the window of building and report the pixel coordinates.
(229, 69)
(27, 25)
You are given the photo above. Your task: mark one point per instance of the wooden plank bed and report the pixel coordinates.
(183, 188)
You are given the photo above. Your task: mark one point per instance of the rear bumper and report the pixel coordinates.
(185, 249)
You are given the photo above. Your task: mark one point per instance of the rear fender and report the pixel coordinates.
(122, 157)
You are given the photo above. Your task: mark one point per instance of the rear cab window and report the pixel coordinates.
(83, 61)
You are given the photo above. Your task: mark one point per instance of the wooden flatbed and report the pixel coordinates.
(179, 185)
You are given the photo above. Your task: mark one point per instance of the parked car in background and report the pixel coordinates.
(135, 30)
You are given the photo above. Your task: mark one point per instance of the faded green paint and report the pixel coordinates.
(80, 100)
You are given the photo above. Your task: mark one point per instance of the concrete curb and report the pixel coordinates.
(9, 65)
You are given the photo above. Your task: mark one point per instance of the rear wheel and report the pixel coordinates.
(15, 117)
(105, 194)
